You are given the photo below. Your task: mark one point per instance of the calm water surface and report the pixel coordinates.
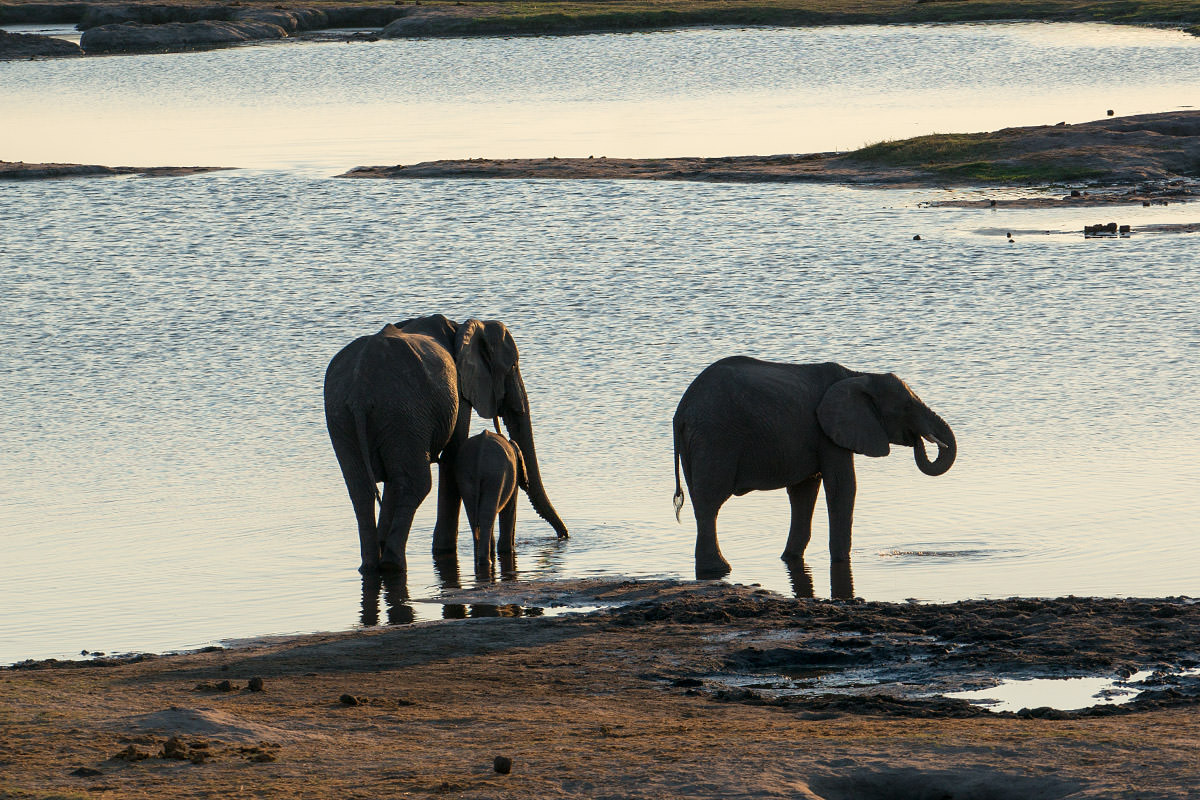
(690, 92)
(167, 478)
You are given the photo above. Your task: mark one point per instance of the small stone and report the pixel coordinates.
(174, 748)
(225, 686)
(917, 238)
(255, 684)
(131, 753)
(86, 772)
(502, 764)
(348, 700)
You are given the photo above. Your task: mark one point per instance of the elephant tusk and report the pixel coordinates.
(930, 437)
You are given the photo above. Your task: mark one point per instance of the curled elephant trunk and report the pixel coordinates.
(939, 433)
(520, 429)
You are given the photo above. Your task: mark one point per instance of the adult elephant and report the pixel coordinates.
(401, 399)
(746, 425)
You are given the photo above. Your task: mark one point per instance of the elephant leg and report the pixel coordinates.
(445, 530)
(408, 496)
(508, 526)
(387, 512)
(840, 488)
(709, 561)
(483, 529)
(363, 499)
(803, 496)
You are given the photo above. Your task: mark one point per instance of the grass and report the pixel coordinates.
(567, 17)
(970, 156)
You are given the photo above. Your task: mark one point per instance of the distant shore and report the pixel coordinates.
(668, 694)
(122, 26)
(21, 171)
(1148, 158)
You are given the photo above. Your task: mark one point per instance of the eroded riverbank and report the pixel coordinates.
(622, 701)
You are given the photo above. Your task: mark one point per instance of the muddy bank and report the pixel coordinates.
(32, 45)
(21, 171)
(1144, 158)
(630, 702)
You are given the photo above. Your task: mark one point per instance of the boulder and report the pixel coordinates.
(32, 45)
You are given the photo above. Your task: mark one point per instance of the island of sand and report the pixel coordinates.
(21, 171)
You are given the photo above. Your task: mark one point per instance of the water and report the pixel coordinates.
(332, 106)
(1067, 694)
(168, 481)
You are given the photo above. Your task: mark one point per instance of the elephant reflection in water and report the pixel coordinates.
(841, 581)
(395, 596)
(745, 425)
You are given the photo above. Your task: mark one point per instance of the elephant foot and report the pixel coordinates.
(712, 568)
(368, 569)
(392, 567)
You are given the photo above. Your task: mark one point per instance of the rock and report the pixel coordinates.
(131, 753)
(174, 748)
(32, 45)
(86, 772)
(255, 684)
(502, 764)
(349, 700)
(917, 238)
(226, 686)
(135, 37)
(42, 13)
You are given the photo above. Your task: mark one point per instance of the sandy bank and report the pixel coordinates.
(1143, 158)
(628, 703)
(21, 171)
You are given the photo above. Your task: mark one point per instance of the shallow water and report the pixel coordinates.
(168, 481)
(689, 92)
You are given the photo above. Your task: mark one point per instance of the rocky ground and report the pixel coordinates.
(635, 701)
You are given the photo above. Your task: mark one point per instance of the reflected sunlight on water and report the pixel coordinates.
(168, 481)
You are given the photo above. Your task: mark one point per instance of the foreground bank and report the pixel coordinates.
(638, 701)
(149, 26)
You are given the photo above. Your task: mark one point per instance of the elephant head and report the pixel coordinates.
(489, 379)
(869, 413)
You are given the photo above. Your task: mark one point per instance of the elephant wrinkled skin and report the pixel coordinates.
(746, 425)
(401, 399)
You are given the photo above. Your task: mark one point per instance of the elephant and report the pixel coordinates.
(745, 425)
(488, 470)
(399, 400)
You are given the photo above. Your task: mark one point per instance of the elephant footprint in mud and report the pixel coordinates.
(746, 425)
(400, 399)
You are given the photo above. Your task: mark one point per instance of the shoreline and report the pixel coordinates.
(21, 171)
(660, 696)
(147, 26)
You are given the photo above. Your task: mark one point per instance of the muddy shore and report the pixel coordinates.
(635, 701)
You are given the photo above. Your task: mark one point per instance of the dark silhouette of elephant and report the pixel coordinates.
(401, 399)
(745, 425)
(488, 471)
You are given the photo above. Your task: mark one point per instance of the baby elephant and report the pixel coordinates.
(488, 470)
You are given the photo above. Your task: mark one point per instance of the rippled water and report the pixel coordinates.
(168, 481)
(690, 92)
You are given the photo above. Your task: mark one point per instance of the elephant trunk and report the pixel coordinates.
(937, 430)
(520, 429)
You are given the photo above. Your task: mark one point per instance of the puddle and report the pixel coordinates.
(1063, 694)
(473, 610)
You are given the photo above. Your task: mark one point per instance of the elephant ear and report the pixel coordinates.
(484, 355)
(848, 417)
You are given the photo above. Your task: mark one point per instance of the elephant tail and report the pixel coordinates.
(360, 431)
(677, 499)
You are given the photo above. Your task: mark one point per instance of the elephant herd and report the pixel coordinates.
(400, 400)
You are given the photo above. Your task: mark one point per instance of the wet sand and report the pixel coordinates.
(620, 703)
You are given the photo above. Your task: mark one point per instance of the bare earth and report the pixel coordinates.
(622, 703)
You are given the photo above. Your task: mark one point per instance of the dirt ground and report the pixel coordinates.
(624, 702)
